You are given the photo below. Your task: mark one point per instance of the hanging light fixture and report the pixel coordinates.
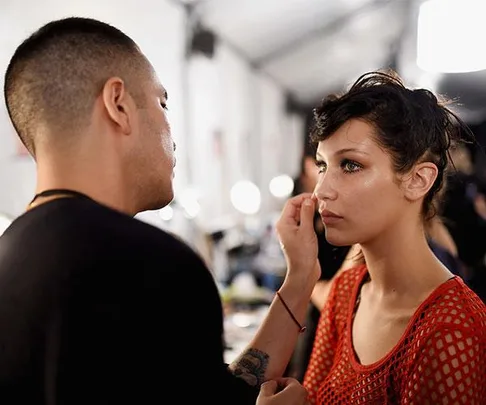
(449, 36)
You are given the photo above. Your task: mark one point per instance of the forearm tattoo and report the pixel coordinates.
(251, 367)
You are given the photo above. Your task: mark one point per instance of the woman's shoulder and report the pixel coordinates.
(454, 300)
(345, 285)
(455, 311)
(347, 279)
(343, 294)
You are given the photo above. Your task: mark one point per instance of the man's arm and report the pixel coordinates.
(267, 355)
(269, 352)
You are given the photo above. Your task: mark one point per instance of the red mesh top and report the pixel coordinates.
(440, 359)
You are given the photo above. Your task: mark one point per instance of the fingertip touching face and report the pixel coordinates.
(358, 192)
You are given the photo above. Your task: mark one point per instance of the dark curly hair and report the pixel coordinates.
(411, 125)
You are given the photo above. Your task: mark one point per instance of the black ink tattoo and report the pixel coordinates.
(251, 367)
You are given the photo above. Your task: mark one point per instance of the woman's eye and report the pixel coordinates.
(321, 168)
(350, 167)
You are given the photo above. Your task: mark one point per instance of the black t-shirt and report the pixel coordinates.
(97, 307)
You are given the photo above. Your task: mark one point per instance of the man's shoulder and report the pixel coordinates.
(68, 223)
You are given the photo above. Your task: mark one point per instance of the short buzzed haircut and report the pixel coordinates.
(56, 74)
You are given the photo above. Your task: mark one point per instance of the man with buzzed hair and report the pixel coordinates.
(53, 86)
(72, 70)
(97, 307)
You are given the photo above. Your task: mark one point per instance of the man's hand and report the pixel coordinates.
(295, 229)
(283, 391)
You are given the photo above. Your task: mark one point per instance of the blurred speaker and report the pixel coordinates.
(292, 105)
(203, 41)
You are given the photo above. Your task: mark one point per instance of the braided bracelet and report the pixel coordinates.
(301, 327)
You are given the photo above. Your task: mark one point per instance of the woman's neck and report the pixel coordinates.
(402, 264)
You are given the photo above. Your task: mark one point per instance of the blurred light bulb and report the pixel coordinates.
(245, 197)
(166, 213)
(189, 200)
(242, 320)
(281, 186)
(192, 209)
(445, 50)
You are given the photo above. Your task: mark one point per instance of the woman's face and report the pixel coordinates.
(358, 192)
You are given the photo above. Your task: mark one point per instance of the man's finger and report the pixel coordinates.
(268, 388)
(307, 212)
(284, 381)
(291, 385)
(292, 206)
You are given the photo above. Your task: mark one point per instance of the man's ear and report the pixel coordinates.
(118, 104)
(419, 181)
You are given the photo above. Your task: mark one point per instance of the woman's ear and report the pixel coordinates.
(420, 180)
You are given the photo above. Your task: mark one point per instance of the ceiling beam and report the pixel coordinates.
(326, 29)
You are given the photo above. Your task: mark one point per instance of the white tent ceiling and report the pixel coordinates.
(310, 47)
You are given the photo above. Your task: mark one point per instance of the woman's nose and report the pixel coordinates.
(325, 189)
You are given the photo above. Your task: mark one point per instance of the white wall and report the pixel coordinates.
(280, 139)
(158, 27)
(240, 130)
(205, 110)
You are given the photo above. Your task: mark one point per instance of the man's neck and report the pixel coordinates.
(53, 194)
(104, 188)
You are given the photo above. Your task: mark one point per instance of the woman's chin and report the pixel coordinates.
(338, 240)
